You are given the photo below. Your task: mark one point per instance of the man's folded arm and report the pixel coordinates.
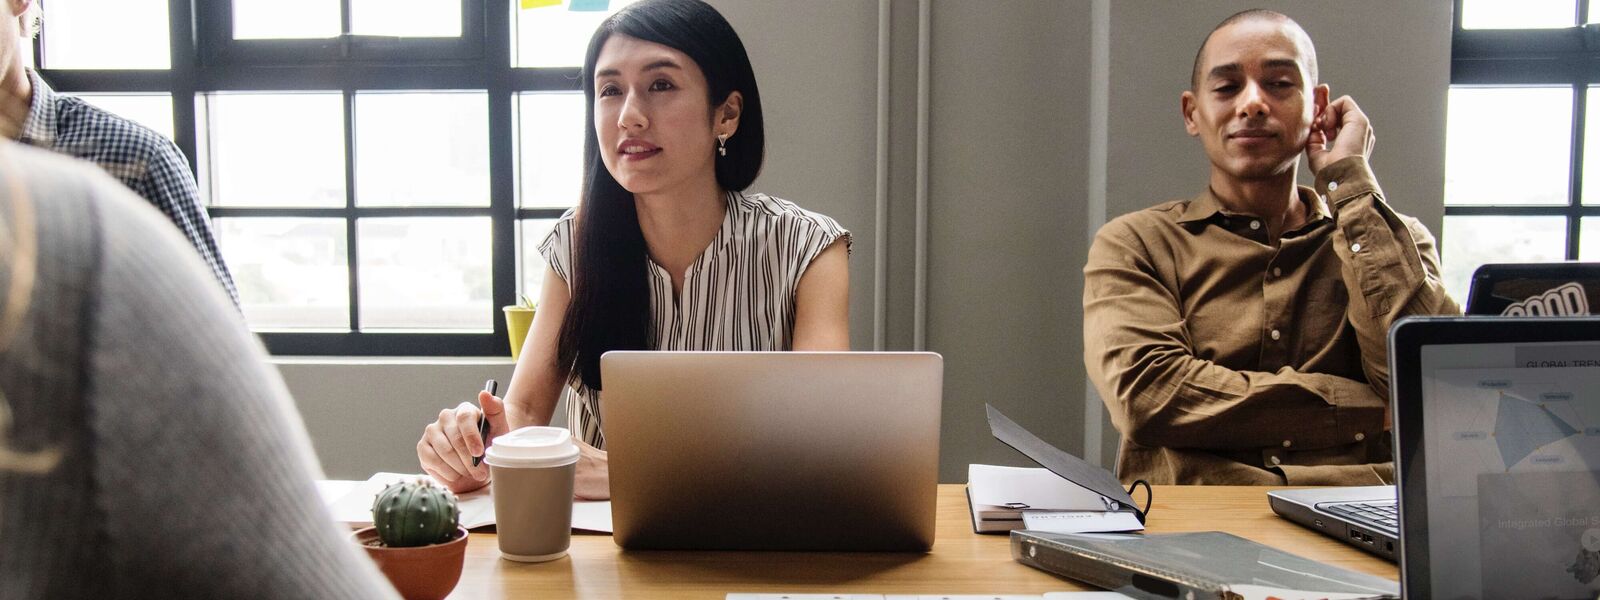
(1390, 263)
(1138, 353)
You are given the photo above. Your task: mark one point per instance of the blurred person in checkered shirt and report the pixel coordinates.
(145, 161)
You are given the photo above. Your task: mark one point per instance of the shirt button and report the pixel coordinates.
(1275, 334)
(1333, 185)
(1360, 436)
(1277, 272)
(1287, 443)
(1255, 224)
(1276, 461)
(1356, 247)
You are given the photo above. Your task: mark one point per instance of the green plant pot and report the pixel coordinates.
(518, 320)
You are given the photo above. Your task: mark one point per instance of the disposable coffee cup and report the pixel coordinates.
(532, 470)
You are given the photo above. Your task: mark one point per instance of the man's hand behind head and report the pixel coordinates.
(1341, 131)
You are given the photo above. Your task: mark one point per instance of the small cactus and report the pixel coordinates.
(415, 513)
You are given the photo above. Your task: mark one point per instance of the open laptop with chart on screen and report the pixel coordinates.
(1497, 457)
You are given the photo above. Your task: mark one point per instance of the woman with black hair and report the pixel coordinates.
(665, 251)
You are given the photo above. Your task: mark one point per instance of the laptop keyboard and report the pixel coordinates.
(1380, 515)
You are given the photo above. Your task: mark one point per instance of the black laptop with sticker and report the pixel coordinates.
(1554, 289)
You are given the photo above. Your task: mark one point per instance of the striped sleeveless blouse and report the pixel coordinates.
(739, 295)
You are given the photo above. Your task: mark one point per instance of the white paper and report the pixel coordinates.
(351, 504)
(1080, 521)
(1030, 488)
(591, 515)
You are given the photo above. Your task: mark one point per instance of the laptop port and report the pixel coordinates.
(1388, 546)
(1355, 535)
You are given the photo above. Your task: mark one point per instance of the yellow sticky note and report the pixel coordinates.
(527, 4)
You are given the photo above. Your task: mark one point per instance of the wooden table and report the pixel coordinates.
(961, 561)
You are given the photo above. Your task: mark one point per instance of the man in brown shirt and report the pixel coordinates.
(1238, 337)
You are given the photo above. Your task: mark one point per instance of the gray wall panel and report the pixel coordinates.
(1009, 116)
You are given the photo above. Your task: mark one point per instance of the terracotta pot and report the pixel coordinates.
(421, 573)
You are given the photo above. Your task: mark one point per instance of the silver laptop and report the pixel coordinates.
(772, 450)
(1497, 448)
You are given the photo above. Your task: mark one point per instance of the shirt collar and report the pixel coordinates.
(1200, 207)
(39, 129)
(1206, 205)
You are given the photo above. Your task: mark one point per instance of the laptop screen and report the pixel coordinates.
(1513, 469)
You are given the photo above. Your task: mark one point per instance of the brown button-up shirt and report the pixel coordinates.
(1227, 359)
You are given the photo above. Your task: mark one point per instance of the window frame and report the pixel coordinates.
(482, 63)
(217, 46)
(1534, 57)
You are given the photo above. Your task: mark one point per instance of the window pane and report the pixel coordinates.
(1470, 242)
(1589, 243)
(150, 110)
(552, 34)
(422, 149)
(425, 273)
(406, 18)
(1518, 14)
(1591, 155)
(1481, 166)
(285, 19)
(106, 34)
(531, 264)
(291, 273)
(276, 149)
(551, 149)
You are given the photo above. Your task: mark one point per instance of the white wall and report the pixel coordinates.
(1012, 181)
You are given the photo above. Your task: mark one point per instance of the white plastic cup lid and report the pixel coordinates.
(533, 447)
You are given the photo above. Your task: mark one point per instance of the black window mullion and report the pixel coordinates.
(1579, 127)
(352, 255)
(360, 212)
(1580, 98)
(540, 213)
(502, 162)
(184, 58)
(1548, 210)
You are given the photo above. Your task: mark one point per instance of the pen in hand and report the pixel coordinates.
(483, 421)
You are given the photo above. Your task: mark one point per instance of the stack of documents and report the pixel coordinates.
(351, 504)
(1007, 498)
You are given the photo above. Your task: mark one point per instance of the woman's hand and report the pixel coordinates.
(448, 444)
(593, 480)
